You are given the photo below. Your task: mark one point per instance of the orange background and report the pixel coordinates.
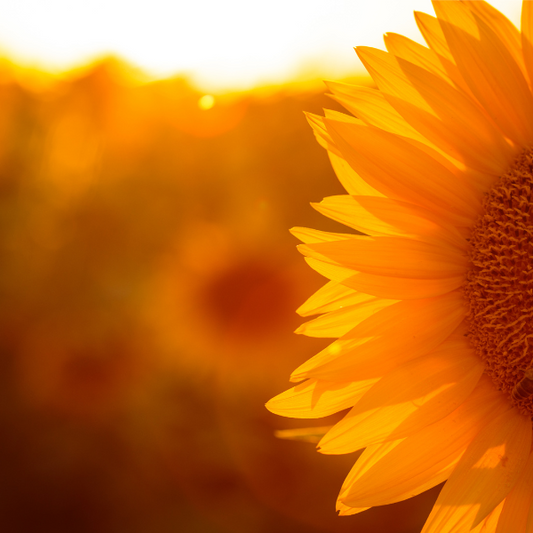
(147, 295)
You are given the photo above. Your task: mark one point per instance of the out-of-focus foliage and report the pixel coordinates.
(147, 293)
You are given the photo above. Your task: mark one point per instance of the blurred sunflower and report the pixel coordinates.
(431, 302)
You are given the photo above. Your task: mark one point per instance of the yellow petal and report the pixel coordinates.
(313, 236)
(389, 77)
(402, 288)
(461, 128)
(371, 106)
(322, 136)
(344, 510)
(302, 434)
(394, 471)
(330, 297)
(391, 256)
(337, 323)
(386, 216)
(518, 502)
(318, 398)
(496, 21)
(349, 179)
(332, 272)
(411, 51)
(484, 475)
(432, 32)
(430, 29)
(402, 175)
(387, 339)
(490, 523)
(527, 37)
(416, 394)
(498, 84)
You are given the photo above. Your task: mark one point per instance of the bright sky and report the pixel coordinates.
(221, 44)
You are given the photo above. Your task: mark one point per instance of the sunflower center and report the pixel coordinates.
(499, 285)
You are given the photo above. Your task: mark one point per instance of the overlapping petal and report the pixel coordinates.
(416, 159)
(394, 471)
(414, 395)
(484, 476)
(385, 340)
(318, 398)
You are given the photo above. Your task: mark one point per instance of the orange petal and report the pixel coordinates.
(387, 339)
(391, 256)
(497, 22)
(349, 179)
(337, 323)
(402, 288)
(302, 434)
(518, 502)
(432, 32)
(402, 175)
(415, 395)
(313, 236)
(332, 272)
(394, 471)
(484, 475)
(402, 47)
(386, 216)
(371, 106)
(318, 398)
(527, 37)
(461, 128)
(330, 297)
(493, 77)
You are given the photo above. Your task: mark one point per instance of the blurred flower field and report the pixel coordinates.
(148, 289)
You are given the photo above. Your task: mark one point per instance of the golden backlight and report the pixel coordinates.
(235, 44)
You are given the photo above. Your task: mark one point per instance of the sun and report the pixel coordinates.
(430, 300)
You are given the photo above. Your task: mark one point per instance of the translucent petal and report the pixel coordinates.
(330, 297)
(411, 51)
(518, 502)
(332, 272)
(484, 475)
(394, 471)
(391, 256)
(318, 398)
(398, 333)
(497, 22)
(402, 288)
(430, 28)
(388, 76)
(461, 128)
(314, 236)
(432, 32)
(527, 38)
(371, 106)
(349, 179)
(402, 175)
(302, 434)
(416, 394)
(322, 136)
(337, 323)
(498, 84)
(386, 216)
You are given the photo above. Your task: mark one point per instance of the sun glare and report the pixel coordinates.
(221, 45)
(207, 101)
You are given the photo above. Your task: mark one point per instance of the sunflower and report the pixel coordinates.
(430, 302)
